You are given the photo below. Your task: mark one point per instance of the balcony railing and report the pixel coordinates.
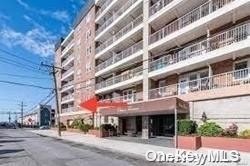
(67, 85)
(131, 98)
(68, 97)
(196, 14)
(70, 109)
(71, 69)
(115, 16)
(221, 40)
(120, 56)
(120, 78)
(68, 48)
(120, 34)
(67, 60)
(158, 6)
(230, 79)
(103, 7)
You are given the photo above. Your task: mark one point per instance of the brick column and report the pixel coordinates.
(145, 127)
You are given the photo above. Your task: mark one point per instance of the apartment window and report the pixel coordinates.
(194, 81)
(128, 95)
(88, 34)
(241, 71)
(88, 67)
(240, 65)
(88, 50)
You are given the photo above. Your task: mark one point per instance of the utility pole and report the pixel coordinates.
(9, 117)
(22, 115)
(53, 71)
(22, 108)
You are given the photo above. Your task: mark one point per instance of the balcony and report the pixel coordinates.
(115, 16)
(120, 34)
(68, 48)
(120, 56)
(131, 98)
(70, 109)
(225, 80)
(103, 7)
(158, 6)
(68, 60)
(130, 74)
(229, 37)
(68, 98)
(189, 18)
(69, 85)
(69, 72)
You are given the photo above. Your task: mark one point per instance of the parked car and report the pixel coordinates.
(44, 127)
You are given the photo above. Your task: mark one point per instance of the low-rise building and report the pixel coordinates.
(42, 115)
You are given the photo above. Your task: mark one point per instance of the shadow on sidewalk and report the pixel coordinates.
(10, 141)
(7, 151)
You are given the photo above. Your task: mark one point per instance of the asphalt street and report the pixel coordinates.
(22, 148)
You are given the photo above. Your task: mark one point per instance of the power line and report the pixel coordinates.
(44, 99)
(17, 62)
(21, 58)
(24, 84)
(25, 76)
(21, 66)
(49, 100)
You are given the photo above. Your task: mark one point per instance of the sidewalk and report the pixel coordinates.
(132, 148)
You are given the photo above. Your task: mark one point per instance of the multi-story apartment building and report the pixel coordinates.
(163, 56)
(75, 54)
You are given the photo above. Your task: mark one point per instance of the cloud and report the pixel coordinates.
(4, 17)
(25, 5)
(79, 2)
(60, 15)
(37, 40)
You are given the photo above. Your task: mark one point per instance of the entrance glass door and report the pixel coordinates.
(183, 86)
(162, 125)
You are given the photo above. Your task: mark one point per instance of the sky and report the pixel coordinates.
(29, 29)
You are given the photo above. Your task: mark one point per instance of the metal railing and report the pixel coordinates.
(68, 97)
(223, 39)
(120, 34)
(229, 79)
(158, 6)
(103, 7)
(69, 47)
(129, 74)
(69, 58)
(120, 56)
(115, 16)
(196, 14)
(68, 84)
(68, 71)
(70, 109)
(131, 98)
